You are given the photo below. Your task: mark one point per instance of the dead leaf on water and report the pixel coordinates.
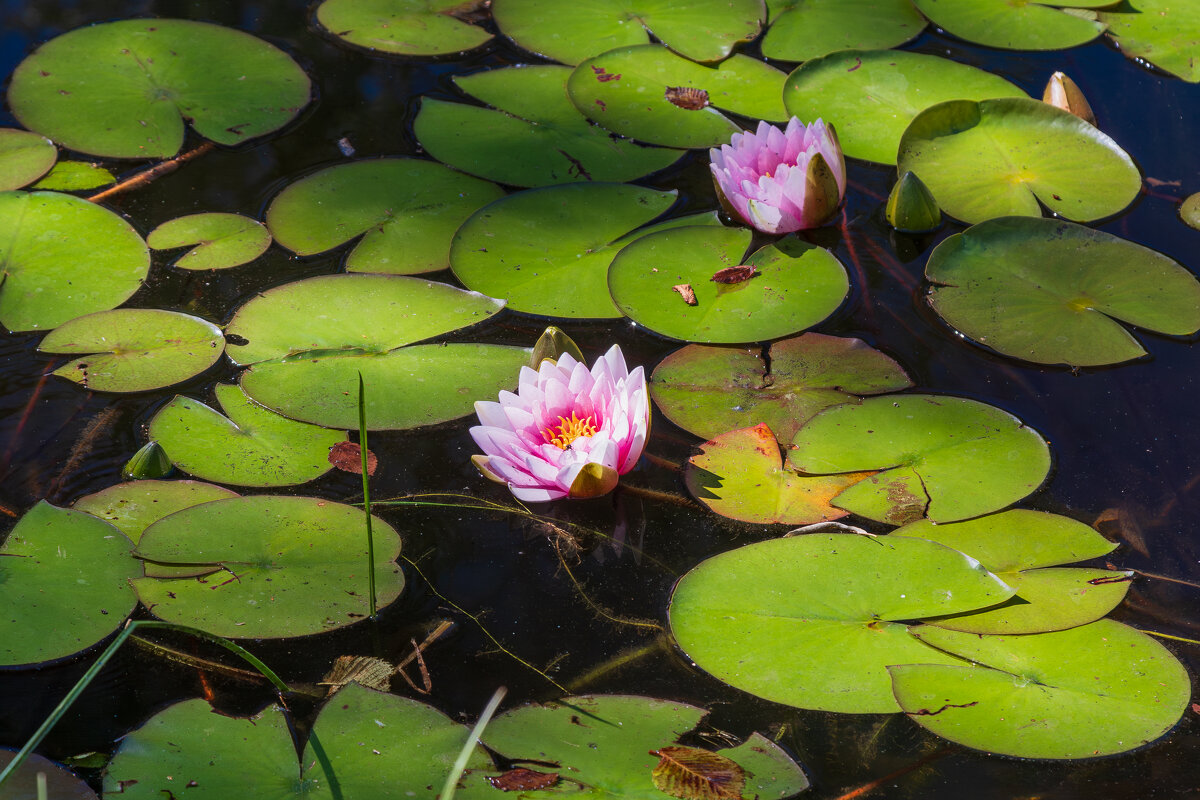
(347, 456)
(690, 773)
(686, 292)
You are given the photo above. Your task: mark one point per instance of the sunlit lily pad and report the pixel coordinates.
(1015, 26)
(61, 783)
(704, 30)
(536, 137)
(710, 390)
(223, 240)
(45, 236)
(135, 349)
(74, 176)
(815, 620)
(1090, 691)
(796, 285)
(408, 209)
(741, 474)
(1164, 32)
(806, 29)
(133, 506)
(1055, 293)
(625, 91)
(946, 458)
(64, 584)
(404, 27)
(278, 566)
(252, 447)
(1004, 156)
(124, 89)
(24, 157)
(872, 95)
(1189, 210)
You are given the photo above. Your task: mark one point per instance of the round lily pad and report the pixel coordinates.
(46, 236)
(1052, 292)
(1163, 32)
(945, 458)
(278, 566)
(75, 176)
(536, 137)
(794, 285)
(872, 95)
(133, 506)
(408, 209)
(629, 91)
(223, 240)
(61, 783)
(710, 390)
(703, 30)
(64, 584)
(1003, 156)
(24, 157)
(135, 349)
(124, 89)
(1189, 210)
(404, 27)
(1090, 691)
(781, 618)
(802, 30)
(252, 447)
(1016, 26)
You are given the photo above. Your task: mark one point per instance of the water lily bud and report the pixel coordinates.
(148, 463)
(1061, 92)
(821, 194)
(481, 464)
(911, 207)
(551, 345)
(594, 480)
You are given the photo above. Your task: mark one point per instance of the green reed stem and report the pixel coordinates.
(464, 755)
(366, 479)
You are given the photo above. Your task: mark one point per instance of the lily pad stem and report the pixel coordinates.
(148, 175)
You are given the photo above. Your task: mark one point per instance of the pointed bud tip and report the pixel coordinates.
(594, 480)
(911, 207)
(551, 346)
(1062, 92)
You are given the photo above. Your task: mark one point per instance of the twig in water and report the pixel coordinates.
(157, 171)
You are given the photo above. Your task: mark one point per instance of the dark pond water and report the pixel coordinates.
(1125, 438)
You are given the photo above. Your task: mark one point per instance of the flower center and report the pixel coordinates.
(568, 430)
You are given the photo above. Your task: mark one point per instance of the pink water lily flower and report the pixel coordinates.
(779, 181)
(568, 431)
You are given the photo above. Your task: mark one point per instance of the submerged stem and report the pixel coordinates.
(148, 175)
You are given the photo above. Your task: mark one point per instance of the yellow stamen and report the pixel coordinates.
(568, 430)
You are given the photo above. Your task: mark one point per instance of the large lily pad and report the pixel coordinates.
(222, 240)
(872, 95)
(704, 30)
(278, 566)
(945, 458)
(626, 91)
(64, 584)
(796, 285)
(404, 27)
(1004, 156)
(24, 157)
(135, 349)
(135, 505)
(252, 447)
(124, 89)
(45, 236)
(780, 618)
(537, 137)
(802, 30)
(408, 209)
(1090, 691)
(1055, 293)
(1163, 32)
(1016, 26)
(710, 390)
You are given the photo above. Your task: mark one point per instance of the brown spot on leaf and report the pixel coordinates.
(738, 274)
(605, 77)
(347, 456)
(687, 97)
(520, 779)
(690, 773)
(686, 292)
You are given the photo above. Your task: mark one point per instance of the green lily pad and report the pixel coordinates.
(1163, 32)
(703, 30)
(224, 240)
(75, 176)
(1003, 156)
(1090, 691)
(796, 285)
(625, 91)
(403, 27)
(710, 390)
(45, 236)
(872, 95)
(1189, 210)
(548, 251)
(1051, 292)
(814, 621)
(741, 475)
(135, 505)
(278, 566)
(802, 30)
(408, 209)
(252, 447)
(945, 458)
(24, 157)
(124, 89)
(135, 349)
(356, 314)
(64, 582)
(536, 137)
(61, 783)
(1016, 26)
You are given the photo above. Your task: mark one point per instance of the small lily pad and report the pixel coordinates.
(404, 27)
(133, 506)
(802, 30)
(224, 240)
(135, 349)
(945, 458)
(24, 157)
(61, 783)
(1052, 292)
(1016, 26)
(1163, 32)
(1189, 210)
(75, 176)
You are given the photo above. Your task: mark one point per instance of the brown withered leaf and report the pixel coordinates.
(347, 456)
(742, 272)
(374, 673)
(690, 773)
(520, 779)
(687, 97)
(471, 11)
(686, 292)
